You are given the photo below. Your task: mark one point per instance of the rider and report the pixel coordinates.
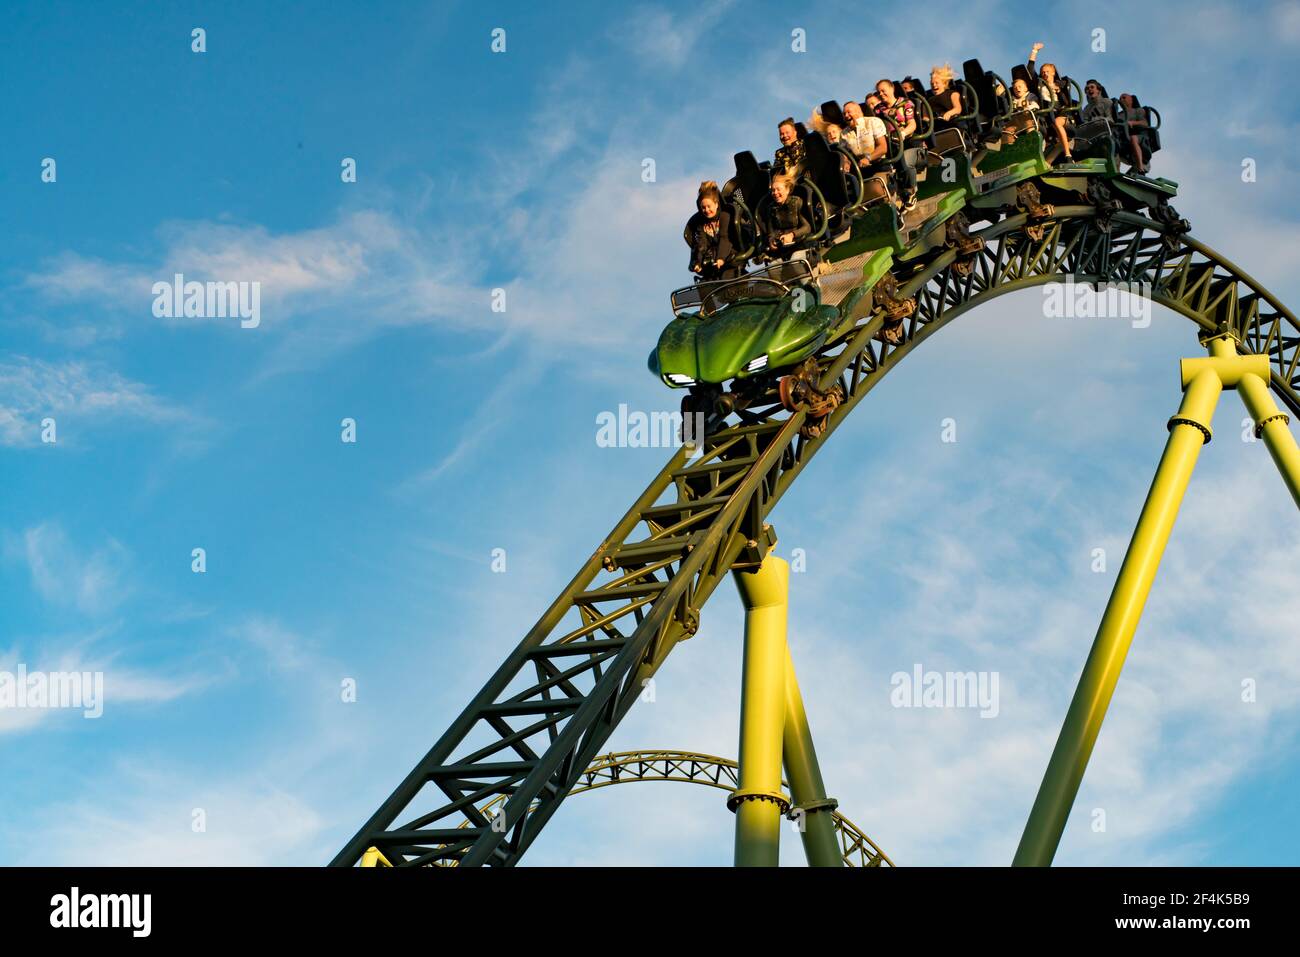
(785, 220)
(709, 231)
(944, 100)
(1136, 117)
(790, 157)
(1054, 95)
(903, 115)
(865, 136)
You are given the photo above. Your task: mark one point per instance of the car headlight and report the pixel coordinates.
(756, 365)
(676, 378)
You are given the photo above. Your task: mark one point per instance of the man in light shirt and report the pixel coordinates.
(865, 136)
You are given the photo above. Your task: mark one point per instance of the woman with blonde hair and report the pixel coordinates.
(1054, 96)
(944, 101)
(708, 233)
(785, 221)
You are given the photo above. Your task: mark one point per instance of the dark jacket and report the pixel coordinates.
(705, 248)
(790, 159)
(787, 217)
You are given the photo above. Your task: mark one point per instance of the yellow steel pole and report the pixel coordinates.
(813, 808)
(374, 857)
(1270, 422)
(1188, 431)
(758, 801)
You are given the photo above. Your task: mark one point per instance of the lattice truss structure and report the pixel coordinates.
(632, 767)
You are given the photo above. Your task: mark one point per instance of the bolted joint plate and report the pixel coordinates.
(812, 807)
(1282, 416)
(738, 798)
(1184, 420)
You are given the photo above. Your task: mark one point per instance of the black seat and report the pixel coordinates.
(1094, 139)
(925, 118)
(752, 180)
(822, 166)
(993, 106)
(831, 113)
(974, 77)
(1151, 138)
(948, 141)
(1148, 136)
(968, 119)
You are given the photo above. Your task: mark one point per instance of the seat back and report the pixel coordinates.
(752, 181)
(822, 166)
(924, 115)
(831, 113)
(949, 141)
(1022, 121)
(1021, 72)
(744, 231)
(815, 206)
(1153, 129)
(875, 189)
(1093, 139)
(978, 82)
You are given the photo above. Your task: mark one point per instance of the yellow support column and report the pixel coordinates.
(1270, 422)
(815, 809)
(758, 802)
(1203, 381)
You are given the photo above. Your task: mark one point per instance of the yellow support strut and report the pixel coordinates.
(1270, 422)
(758, 801)
(774, 730)
(1203, 382)
(815, 811)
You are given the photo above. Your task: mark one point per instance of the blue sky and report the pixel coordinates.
(476, 430)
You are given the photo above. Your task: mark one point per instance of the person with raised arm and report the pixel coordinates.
(1053, 95)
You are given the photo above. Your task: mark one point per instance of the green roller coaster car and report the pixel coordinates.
(736, 328)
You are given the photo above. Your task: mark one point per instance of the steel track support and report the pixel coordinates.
(1203, 381)
(1270, 422)
(758, 801)
(774, 730)
(815, 812)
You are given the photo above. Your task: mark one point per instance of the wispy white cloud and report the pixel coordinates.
(154, 817)
(122, 684)
(668, 38)
(93, 582)
(285, 650)
(73, 393)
